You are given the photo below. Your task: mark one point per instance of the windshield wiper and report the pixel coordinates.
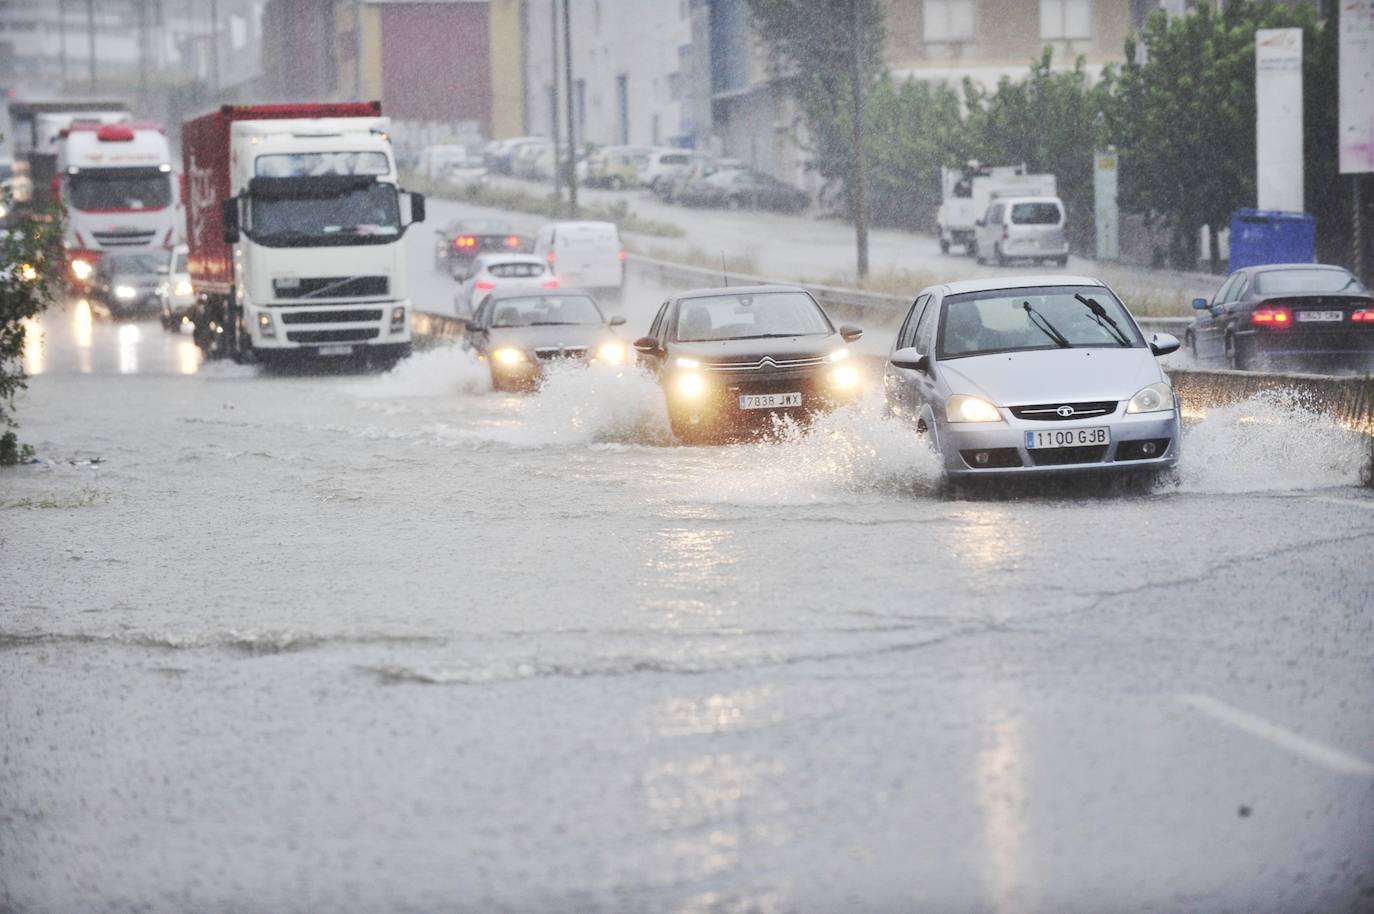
(1044, 326)
(1100, 315)
(554, 324)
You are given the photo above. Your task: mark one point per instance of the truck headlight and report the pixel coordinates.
(611, 353)
(398, 318)
(265, 325)
(82, 269)
(124, 293)
(508, 356)
(1156, 398)
(184, 288)
(962, 408)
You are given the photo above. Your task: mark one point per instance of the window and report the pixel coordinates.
(907, 334)
(1040, 213)
(925, 329)
(1066, 19)
(656, 330)
(949, 20)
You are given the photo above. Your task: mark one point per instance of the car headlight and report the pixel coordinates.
(962, 408)
(184, 288)
(844, 377)
(686, 363)
(611, 353)
(1156, 398)
(82, 269)
(125, 292)
(508, 356)
(691, 384)
(839, 355)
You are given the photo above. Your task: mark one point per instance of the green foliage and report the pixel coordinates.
(912, 130)
(30, 264)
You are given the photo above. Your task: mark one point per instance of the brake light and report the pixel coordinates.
(551, 283)
(465, 241)
(512, 242)
(623, 255)
(485, 285)
(1272, 317)
(1363, 316)
(115, 133)
(551, 257)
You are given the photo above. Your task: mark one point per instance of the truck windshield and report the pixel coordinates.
(341, 216)
(120, 189)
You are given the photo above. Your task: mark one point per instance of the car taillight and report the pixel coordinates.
(512, 242)
(485, 285)
(465, 241)
(623, 255)
(551, 283)
(1363, 316)
(1272, 317)
(551, 257)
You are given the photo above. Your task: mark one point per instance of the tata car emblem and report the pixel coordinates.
(1066, 411)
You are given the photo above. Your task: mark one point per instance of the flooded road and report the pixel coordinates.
(394, 642)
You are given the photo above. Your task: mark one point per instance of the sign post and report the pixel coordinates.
(1278, 119)
(1357, 110)
(1106, 215)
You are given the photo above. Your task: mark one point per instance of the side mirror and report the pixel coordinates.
(616, 321)
(849, 333)
(1200, 304)
(910, 359)
(647, 345)
(229, 215)
(417, 207)
(1163, 343)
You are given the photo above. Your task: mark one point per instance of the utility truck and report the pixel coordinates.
(967, 192)
(295, 221)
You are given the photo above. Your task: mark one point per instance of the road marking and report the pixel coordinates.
(1311, 750)
(1366, 503)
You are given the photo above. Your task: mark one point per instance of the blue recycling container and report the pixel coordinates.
(1260, 236)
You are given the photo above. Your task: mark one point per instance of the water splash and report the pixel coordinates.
(445, 370)
(595, 404)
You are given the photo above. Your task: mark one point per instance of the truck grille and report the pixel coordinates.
(1059, 412)
(332, 317)
(134, 239)
(332, 287)
(332, 336)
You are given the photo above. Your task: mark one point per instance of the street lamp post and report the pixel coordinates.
(572, 127)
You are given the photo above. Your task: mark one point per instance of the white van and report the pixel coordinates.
(1022, 228)
(584, 255)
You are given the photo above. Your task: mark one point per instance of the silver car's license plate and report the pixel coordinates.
(336, 350)
(1306, 316)
(1069, 437)
(769, 401)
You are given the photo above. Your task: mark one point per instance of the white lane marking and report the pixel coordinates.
(1366, 503)
(1311, 750)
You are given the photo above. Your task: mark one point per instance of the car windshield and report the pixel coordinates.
(135, 263)
(1012, 320)
(1042, 213)
(1272, 282)
(120, 189)
(750, 315)
(542, 310)
(358, 215)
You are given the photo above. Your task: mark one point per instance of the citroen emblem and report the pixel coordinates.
(1065, 411)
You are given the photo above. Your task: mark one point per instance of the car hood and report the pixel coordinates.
(1052, 375)
(562, 336)
(790, 347)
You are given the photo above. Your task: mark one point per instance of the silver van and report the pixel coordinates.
(1022, 228)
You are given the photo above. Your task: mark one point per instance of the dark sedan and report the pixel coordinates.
(458, 244)
(742, 188)
(128, 284)
(520, 332)
(728, 359)
(1291, 315)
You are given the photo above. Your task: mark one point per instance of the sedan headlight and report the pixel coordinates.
(844, 377)
(611, 353)
(1156, 398)
(124, 293)
(508, 356)
(962, 408)
(680, 362)
(839, 355)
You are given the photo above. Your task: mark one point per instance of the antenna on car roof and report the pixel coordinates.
(725, 277)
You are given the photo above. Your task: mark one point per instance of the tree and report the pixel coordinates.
(828, 55)
(29, 263)
(912, 130)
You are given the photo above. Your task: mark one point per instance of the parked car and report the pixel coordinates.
(743, 188)
(128, 284)
(729, 359)
(500, 154)
(534, 161)
(175, 294)
(1022, 228)
(467, 171)
(502, 271)
(614, 166)
(585, 255)
(1033, 375)
(1286, 314)
(520, 332)
(663, 166)
(458, 244)
(700, 169)
(434, 161)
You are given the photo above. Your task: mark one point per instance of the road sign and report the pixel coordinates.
(1106, 215)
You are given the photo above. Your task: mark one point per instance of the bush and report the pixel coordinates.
(30, 265)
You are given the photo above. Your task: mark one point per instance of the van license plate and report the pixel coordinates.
(336, 350)
(1069, 437)
(769, 401)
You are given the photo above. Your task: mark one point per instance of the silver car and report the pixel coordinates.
(1022, 228)
(1034, 374)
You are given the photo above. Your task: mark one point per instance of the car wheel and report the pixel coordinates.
(972, 248)
(617, 183)
(1061, 261)
(997, 255)
(685, 432)
(944, 246)
(733, 203)
(1190, 340)
(1235, 359)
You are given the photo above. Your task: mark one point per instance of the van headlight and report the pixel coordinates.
(124, 293)
(963, 408)
(1156, 398)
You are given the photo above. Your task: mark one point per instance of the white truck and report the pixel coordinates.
(968, 190)
(295, 221)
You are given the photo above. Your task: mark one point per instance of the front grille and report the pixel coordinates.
(548, 353)
(332, 336)
(765, 363)
(1050, 412)
(331, 317)
(332, 287)
(124, 239)
(1060, 456)
(997, 458)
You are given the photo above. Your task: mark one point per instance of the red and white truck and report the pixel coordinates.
(294, 221)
